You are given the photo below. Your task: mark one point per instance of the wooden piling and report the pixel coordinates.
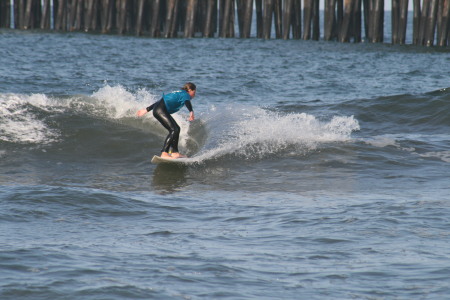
(26, 15)
(139, 17)
(3, 14)
(190, 18)
(34, 13)
(416, 22)
(60, 23)
(395, 15)
(430, 27)
(107, 15)
(315, 20)
(288, 12)
(399, 15)
(209, 18)
(247, 14)
(329, 20)
(357, 20)
(171, 19)
(72, 10)
(278, 19)
(376, 22)
(88, 15)
(37, 13)
(291, 19)
(267, 18)
(231, 20)
(45, 18)
(344, 33)
(79, 15)
(297, 25)
(155, 19)
(445, 24)
(225, 12)
(423, 21)
(121, 16)
(339, 15)
(307, 17)
(240, 12)
(259, 19)
(19, 8)
(222, 8)
(366, 12)
(403, 22)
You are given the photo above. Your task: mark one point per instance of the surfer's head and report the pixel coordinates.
(190, 88)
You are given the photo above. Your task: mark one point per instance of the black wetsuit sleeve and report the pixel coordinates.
(188, 105)
(151, 107)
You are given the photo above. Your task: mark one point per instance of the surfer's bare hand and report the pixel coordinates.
(191, 116)
(141, 112)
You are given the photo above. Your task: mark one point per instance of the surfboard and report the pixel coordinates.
(159, 160)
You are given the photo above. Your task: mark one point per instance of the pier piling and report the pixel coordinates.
(280, 19)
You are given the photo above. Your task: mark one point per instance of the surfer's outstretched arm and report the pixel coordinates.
(143, 111)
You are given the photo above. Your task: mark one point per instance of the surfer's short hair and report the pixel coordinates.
(189, 86)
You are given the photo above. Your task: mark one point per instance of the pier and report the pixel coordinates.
(343, 20)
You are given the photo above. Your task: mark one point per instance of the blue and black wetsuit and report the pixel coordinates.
(162, 110)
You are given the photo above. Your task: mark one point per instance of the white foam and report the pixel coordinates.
(382, 141)
(442, 155)
(255, 132)
(19, 124)
(390, 140)
(119, 103)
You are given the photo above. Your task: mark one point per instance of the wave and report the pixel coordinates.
(20, 119)
(428, 111)
(422, 113)
(109, 114)
(104, 126)
(30, 119)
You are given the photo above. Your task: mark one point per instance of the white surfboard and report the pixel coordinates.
(159, 160)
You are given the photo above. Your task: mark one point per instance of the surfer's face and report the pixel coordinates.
(191, 93)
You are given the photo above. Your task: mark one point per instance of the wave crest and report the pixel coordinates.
(20, 122)
(256, 132)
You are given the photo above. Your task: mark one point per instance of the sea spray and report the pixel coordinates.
(20, 122)
(263, 132)
(118, 102)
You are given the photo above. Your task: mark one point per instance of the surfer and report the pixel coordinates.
(162, 110)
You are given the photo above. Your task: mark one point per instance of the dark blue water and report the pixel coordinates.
(320, 170)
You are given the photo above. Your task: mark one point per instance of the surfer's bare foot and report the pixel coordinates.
(178, 155)
(166, 155)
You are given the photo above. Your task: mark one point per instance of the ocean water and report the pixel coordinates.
(320, 170)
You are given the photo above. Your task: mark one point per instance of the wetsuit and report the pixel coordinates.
(162, 111)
